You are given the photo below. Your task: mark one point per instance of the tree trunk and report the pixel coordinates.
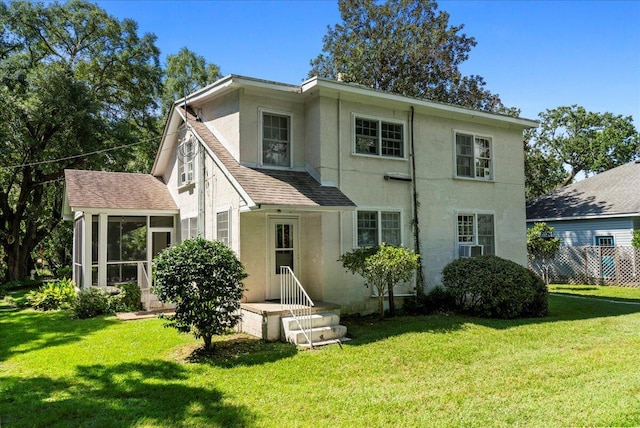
(18, 261)
(381, 305)
(207, 341)
(392, 305)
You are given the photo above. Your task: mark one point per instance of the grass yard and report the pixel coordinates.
(579, 366)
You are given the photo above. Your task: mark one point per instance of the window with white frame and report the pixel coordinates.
(474, 156)
(222, 227)
(276, 139)
(188, 228)
(604, 241)
(475, 234)
(378, 137)
(186, 156)
(374, 227)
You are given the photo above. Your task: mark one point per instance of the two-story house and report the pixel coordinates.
(297, 175)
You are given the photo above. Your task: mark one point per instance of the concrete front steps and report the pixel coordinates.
(325, 329)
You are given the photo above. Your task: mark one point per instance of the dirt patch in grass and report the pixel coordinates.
(234, 350)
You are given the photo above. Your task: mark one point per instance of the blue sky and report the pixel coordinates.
(534, 54)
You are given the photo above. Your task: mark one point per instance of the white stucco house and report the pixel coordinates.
(296, 175)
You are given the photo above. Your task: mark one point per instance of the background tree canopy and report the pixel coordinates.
(185, 73)
(76, 83)
(406, 47)
(571, 140)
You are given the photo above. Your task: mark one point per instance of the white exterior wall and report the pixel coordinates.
(322, 138)
(251, 106)
(223, 119)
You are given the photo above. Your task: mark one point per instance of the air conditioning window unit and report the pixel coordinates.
(465, 251)
(487, 172)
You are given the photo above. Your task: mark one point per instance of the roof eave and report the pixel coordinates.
(441, 108)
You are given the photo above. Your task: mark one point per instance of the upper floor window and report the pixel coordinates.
(379, 137)
(476, 234)
(374, 227)
(186, 156)
(473, 156)
(276, 139)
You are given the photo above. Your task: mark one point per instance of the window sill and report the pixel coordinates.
(186, 187)
(479, 180)
(381, 157)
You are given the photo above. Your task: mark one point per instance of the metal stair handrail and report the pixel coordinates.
(295, 300)
(143, 283)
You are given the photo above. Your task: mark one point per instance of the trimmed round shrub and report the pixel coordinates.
(92, 302)
(493, 287)
(204, 280)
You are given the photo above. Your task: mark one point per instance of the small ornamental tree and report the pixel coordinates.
(382, 267)
(635, 241)
(542, 246)
(204, 280)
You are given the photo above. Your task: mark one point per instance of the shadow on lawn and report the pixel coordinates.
(365, 330)
(148, 393)
(242, 351)
(29, 330)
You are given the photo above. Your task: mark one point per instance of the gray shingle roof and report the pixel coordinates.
(272, 187)
(613, 192)
(100, 189)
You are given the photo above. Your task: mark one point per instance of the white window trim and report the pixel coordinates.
(190, 217)
(380, 119)
(182, 164)
(290, 115)
(455, 155)
(597, 238)
(378, 210)
(475, 214)
(226, 209)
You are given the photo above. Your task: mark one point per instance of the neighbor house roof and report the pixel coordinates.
(268, 186)
(116, 190)
(613, 193)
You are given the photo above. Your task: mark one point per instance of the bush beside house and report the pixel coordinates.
(493, 287)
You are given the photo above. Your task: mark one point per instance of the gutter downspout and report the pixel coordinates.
(340, 215)
(416, 205)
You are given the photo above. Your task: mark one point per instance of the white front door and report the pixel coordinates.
(283, 251)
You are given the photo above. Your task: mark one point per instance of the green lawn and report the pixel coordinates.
(577, 367)
(599, 291)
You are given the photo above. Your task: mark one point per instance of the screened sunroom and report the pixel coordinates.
(121, 221)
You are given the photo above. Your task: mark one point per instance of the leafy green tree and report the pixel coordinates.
(383, 268)
(406, 47)
(635, 241)
(542, 246)
(75, 84)
(185, 73)
(571, 140)
(204, 280)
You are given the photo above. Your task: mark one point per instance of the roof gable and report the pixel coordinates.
(611, 193)
(266, 186)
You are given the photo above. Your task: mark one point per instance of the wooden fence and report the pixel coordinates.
(593, 265)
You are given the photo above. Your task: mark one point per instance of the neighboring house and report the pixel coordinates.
(594, 219)
(297, 175)
(602, 210)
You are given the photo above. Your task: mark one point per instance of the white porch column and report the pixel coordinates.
(86, 251)
(103, 222)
